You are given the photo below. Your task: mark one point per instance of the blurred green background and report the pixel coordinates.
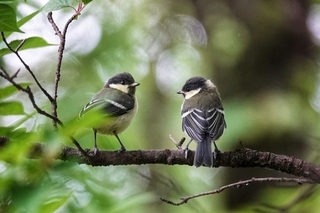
(262, 55)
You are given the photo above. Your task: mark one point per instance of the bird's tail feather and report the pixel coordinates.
(203, 155)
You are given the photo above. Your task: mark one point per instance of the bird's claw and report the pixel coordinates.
(185, 150)
(95, 151)
(216, 153)
(122, 149)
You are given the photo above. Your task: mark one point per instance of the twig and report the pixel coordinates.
(75, 142)
(20, 45)
(62, 37)
(238, 185)
(15, 74)
(177, 144)
(26, 66)
(4, 74)
(241, 144)
(53, 100)
(54, 26)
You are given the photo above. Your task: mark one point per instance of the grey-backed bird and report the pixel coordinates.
(116, 101)
(202, 117)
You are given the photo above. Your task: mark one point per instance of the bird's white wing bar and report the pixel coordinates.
(94, 104)
(187, 113)
(109, 107)
(116, 104)
(220, 110)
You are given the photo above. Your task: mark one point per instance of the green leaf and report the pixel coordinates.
(22, 22)
(8, 20)
(53, 5)
(22, 120)
(86, 1)
(11, 108)
(9, 1)
(10, 90)
(5, 130)
(32, 42)
(55, 202)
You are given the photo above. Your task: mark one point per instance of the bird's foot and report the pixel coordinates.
(216, 153)
(186, 150)
(122, 149)
(94, 152)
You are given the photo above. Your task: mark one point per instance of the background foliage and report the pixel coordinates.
(262, 55)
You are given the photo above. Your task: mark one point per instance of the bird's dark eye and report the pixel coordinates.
(122, 82)
(187, 89)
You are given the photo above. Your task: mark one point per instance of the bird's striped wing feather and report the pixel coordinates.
(215, 119)
(197, 123)
(194, 124)
(109, 107)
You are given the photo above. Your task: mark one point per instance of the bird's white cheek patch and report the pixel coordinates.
(123, 88)
(191, 93)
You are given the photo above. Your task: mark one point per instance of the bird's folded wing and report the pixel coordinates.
(109, 107)
(197, 123)
(216, 122)
(194, 124)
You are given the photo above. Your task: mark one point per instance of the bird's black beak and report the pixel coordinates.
(135, 84)
(181, 92)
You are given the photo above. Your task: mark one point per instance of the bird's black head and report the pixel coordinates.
(123, 82)
(123, 78)
(194, 83)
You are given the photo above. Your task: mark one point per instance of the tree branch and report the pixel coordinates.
(4, 74)
(62, 38)
(238, 185)
(26, 65)
(244, 158)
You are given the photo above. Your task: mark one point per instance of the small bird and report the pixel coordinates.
(202, 117)
(117, 102)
